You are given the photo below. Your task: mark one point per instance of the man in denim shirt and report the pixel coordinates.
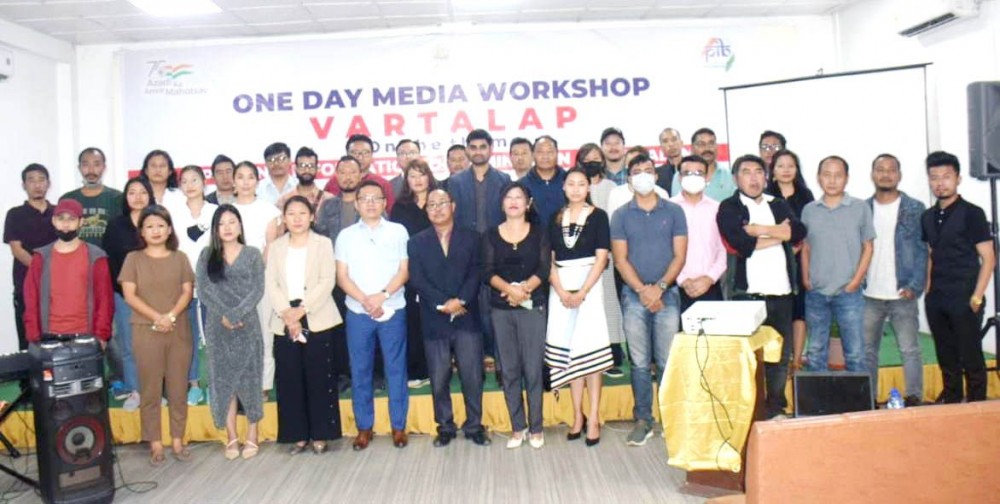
(896, 276)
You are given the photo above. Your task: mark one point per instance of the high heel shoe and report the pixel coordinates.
(573, 436)
(593, 442)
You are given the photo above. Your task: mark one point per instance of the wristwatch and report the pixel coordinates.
(664, 286)
(386, 293)
(976, 300)
(172, 318)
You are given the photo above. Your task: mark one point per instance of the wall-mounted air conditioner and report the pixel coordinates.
(919, 16)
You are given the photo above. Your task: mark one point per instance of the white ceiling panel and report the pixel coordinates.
(104, 21)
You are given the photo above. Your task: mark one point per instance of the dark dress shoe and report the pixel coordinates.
(480, 438)
(443, 439)
(399, 438)
(363, 439)
(297, 449)
(573, 436)
(593, 442)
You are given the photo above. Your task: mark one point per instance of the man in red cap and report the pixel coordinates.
(68, 287)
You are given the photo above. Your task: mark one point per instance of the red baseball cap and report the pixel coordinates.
(70, 206)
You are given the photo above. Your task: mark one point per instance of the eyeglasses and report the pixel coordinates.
(770, 147)
(440, 204)
(306, 166)
(688, 173)
(368, 200)
(280, 158)
(360, 154)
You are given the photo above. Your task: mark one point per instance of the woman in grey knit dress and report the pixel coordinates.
(230, 278)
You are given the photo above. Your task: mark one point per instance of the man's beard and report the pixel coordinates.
(87, 183)
(348, 189)
(307, 179)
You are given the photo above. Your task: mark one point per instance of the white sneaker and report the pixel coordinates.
(536, 441)
(415, 384)
(516, 442)
(131, 402)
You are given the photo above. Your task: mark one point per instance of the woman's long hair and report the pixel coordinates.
(585, 151)
(145, 185)
(421, 166)
(198, 171)
(171, 177)
(216, 260)
(798, 182)
(581, 171)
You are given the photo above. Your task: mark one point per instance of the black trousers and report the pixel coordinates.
(416, 361)
(308, 400)
(955, 329)
(779, 317)
(467, 347)
(341, 357)
(22, 338)
(714, 293)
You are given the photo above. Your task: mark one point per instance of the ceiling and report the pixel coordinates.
(118, 21)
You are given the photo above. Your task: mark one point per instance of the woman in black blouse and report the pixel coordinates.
(516, 262)
(787, 182)
(577, 346)
(120, 238)
(409, 211)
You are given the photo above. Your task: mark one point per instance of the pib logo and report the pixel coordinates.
(718, 54)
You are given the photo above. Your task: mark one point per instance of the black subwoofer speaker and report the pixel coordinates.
(75, 461)
(984, 129)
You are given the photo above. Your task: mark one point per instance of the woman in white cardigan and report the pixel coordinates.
(300, 276)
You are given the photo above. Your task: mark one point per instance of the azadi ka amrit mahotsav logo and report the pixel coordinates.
(165, 78)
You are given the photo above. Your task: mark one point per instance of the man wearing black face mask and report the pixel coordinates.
(68, 287)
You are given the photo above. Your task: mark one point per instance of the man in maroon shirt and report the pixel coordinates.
(361, 148)
(68, 287)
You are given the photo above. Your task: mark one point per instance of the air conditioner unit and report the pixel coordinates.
(919, 16)
(6, 63)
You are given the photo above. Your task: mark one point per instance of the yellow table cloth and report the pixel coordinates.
(707, 397)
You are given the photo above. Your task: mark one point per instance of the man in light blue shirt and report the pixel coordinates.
(372, 269)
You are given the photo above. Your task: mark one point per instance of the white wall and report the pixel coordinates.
(962, 52)
(36, 126)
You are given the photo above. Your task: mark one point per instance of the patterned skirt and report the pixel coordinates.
(576, 342)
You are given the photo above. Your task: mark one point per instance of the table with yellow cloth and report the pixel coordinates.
(707, 431)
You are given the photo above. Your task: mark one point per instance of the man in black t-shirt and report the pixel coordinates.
(961, 261)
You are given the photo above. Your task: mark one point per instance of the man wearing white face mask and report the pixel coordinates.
(706, 256)
(624, 193)
(649, 243)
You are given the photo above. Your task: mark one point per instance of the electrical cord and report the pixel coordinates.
(703, 381)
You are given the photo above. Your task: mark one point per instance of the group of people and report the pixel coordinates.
(541, 274)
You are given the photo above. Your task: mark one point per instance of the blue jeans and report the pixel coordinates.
(196, 314)
(648, 336)
(904, 315)
(123, 342)
(848, 309)
(362, 331)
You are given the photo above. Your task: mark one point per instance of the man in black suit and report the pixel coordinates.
(445, 272)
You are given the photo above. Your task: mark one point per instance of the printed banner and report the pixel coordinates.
(568, 83)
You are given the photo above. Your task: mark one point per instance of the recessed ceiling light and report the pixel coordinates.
(165, 8)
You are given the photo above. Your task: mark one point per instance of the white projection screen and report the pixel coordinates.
(856, 115)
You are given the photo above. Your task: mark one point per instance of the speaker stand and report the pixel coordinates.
(994, 321)
(14, 453)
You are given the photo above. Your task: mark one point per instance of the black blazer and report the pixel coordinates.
(437, 278)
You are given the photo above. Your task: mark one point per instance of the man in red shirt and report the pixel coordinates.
(361, 148)
(68, 287)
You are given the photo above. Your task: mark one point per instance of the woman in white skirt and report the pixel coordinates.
(577, 348)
